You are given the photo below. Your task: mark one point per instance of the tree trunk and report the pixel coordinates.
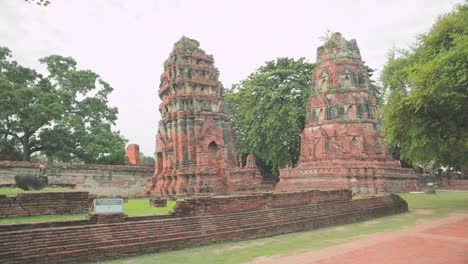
(26, 147)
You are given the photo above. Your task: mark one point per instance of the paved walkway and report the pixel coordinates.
(433, 242)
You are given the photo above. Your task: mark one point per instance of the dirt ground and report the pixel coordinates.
(438, 241)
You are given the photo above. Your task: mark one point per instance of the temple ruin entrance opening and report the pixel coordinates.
(347, 82)
(321, 115)
(323, 86)
(354, 147)
(350, 113)
(212, 151)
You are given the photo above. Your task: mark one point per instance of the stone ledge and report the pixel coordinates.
(27, 164)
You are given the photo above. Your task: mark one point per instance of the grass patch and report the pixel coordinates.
(133, 207)
(138, 207)
(13, 191)
(42, 218)
(441, 201)
(438, 205)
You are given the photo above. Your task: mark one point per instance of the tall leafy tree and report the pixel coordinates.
(269, 111)
(426, 115)
(64, 115)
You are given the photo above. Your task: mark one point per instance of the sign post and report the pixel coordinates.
(108, 206)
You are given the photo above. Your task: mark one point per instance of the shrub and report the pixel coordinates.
(29, 182)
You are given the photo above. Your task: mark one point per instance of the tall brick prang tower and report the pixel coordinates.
(195, 150)
(342, 145)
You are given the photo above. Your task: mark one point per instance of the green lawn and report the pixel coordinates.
(137, 207)
(134, 207)
(422, 207)
(42, 218)
(13, 191)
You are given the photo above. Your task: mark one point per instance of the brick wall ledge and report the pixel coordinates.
(27, 164)
(87, 242)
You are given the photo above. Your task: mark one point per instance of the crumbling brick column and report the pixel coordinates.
(132, 153)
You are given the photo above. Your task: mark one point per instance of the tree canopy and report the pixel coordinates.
(269, 111)
(148, 160)
(64, 115)
(39, 2)
(426, 114)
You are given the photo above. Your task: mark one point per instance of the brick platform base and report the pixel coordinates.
(81, 242)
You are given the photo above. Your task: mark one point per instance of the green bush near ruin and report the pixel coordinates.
(30, 182)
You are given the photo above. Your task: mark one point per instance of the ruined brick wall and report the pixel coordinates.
(450, 184)
(92, 242)
(241, 203)
(74, 223)
(132, 154)
(33, 204)
(245, 179)
(106, 180)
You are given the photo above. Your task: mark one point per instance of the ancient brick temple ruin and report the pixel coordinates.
(194, 222)
(195, 150)
(132, 154)
(342, 145)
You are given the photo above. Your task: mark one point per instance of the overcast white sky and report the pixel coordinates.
(126, 42)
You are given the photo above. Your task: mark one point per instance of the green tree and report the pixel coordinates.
(39, 2)
(64, 115)
(426, 114)
(147, 160)
(269, 111)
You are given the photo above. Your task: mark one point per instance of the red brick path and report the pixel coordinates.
(434, 242)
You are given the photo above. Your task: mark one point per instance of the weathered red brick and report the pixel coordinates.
(132, 154)
(195, 150)
(214, 219)
(34, 204)
(342, 145)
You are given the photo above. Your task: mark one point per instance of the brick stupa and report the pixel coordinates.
(195, 150)
(342, 145)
